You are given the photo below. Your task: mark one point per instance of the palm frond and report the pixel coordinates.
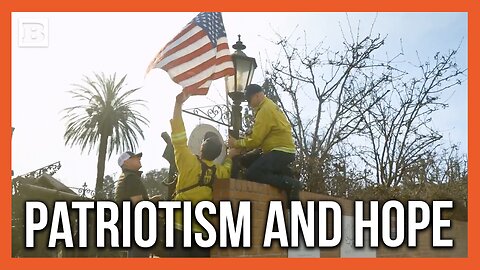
(103, 104)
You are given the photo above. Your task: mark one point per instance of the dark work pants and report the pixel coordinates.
(270, 169)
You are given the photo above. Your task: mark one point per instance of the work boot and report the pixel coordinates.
(293, 194)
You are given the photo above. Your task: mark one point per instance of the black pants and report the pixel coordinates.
(270, 169)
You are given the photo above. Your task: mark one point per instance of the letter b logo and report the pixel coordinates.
(33, 32)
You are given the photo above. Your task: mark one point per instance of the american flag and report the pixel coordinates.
(197, 55)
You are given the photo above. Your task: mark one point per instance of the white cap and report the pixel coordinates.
(125, 156)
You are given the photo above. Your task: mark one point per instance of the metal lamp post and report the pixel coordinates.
(235, 85)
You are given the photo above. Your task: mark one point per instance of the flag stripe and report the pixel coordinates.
(200, 52)
(200, 91)
(197, 70)
(204, 74)
(184, 51)
(225, 72)
(197, 55)
(198, 76)
(180, 37)
(194, 39)
(190, 60)
(189, 30)
(191, 89)
(176, 71)
(212, 62)
(222, 49)
(201, 88)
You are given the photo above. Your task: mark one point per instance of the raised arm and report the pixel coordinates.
(183, 155)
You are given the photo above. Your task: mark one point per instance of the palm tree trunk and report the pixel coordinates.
(102, 154)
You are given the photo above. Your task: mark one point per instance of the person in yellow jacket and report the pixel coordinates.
(196, 175)
(272, 133)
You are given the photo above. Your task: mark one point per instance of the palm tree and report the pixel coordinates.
(104, 114)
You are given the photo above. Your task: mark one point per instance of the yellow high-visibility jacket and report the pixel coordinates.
(189, 171)
(271, 130)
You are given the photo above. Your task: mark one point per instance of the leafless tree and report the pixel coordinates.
(398, 128)
(334, 98)
(326, 94)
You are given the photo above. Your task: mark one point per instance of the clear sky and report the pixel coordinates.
(125, 43)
